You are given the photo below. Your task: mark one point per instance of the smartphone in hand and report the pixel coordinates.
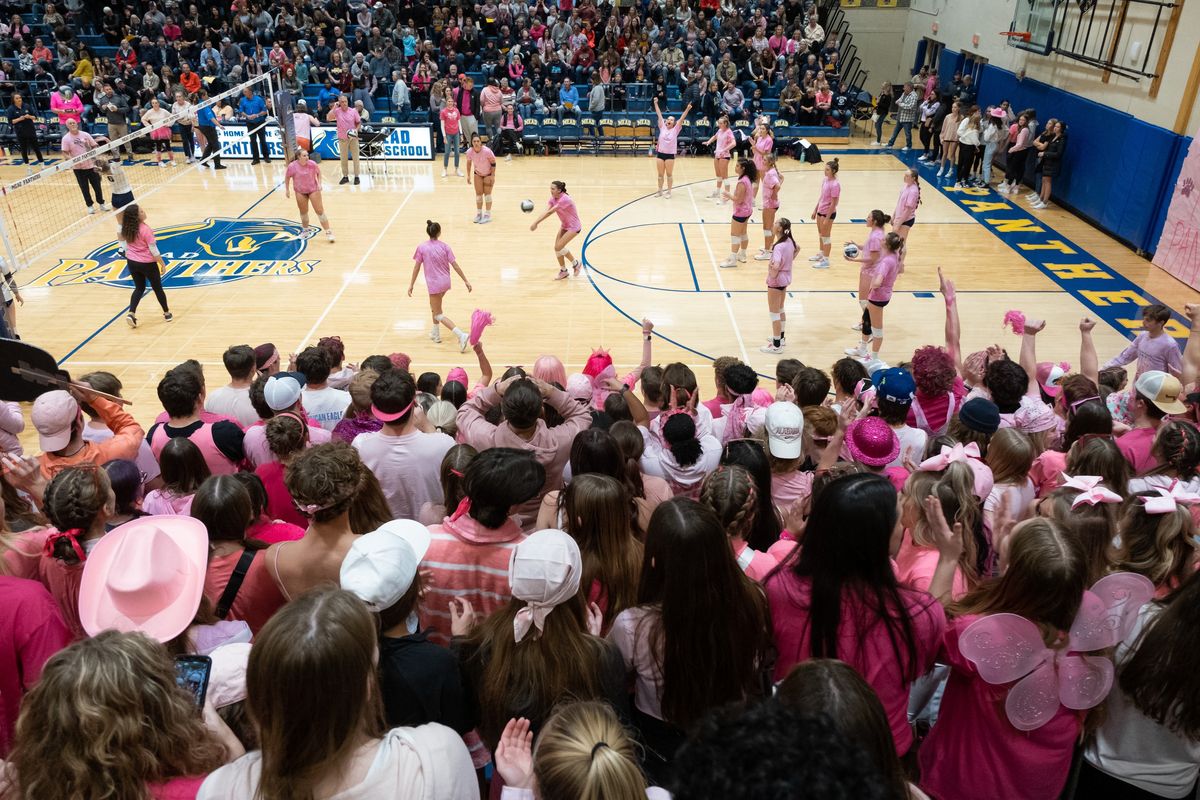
(192, 674)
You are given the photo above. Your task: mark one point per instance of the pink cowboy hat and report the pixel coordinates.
(147, 575)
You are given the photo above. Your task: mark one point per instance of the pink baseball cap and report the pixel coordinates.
(872, 441)
(579, 387)
(1049, 374)
(146, 575)
(53, 415)
(458, 374)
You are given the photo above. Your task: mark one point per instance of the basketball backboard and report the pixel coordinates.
(1038, 18)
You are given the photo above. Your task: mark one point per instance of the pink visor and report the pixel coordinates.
(385, 417)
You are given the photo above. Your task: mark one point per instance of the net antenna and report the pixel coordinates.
(45, 210)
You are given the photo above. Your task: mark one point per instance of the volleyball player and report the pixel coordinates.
(569, 227)
(743, 207)
(437, 258)
(826, 212)
(481, 169)
(668, 146)
(725, 142)
(771, 182)
(779, 276)
(305, 175)
(144, 262)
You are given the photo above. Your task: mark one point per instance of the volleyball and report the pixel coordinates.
(527, 206)
(851, 250)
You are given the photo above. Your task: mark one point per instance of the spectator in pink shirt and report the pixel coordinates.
(67, 105)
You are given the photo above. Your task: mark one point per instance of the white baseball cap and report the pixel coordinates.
(380, 566)
(281, 392)
(1162, 390)
(785, 430)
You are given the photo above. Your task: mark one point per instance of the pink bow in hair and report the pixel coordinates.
(1091, 490)
(1169, 499)
(950, 454)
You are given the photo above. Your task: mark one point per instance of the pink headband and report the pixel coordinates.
(1091, 490)
(1169, 499)
(384, 417)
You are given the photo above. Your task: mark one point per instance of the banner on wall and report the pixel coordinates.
(398, 143)
(1179, 246)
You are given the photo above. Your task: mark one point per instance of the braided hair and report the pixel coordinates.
(730, 492)
(73, 500)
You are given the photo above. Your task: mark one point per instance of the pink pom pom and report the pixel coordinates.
(1016, 320)
(479, 320)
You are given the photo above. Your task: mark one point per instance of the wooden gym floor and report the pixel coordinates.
(645, 256)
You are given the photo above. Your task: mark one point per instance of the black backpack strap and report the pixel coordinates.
(235, 583)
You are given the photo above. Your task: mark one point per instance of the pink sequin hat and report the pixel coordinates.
(872, 441)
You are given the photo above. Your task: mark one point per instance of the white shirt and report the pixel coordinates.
(912, 445)
(430, 762)
(1136, 749)
(234, 403)
(327, 406)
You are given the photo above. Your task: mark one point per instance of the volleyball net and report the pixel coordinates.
(42, 211)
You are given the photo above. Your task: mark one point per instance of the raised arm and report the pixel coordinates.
(1029, 354)
(485, 366)
(635, 375)
(658, 113)
(1089, 365)
(1191, 352)
(953, 329)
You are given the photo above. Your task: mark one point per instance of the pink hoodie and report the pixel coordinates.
(551, 446)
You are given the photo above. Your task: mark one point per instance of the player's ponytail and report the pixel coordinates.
(560, 185)
(785, 232)
(432, 229)
(878, 218)
(833, 166)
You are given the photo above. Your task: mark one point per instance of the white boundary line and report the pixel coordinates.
(720, 282)
(348, 279)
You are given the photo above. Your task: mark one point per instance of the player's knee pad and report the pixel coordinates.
(826, 240)
(775, 317)
(438, 317)
(324, 219)
(736, 241)
(862, 304)
(304, 219)
(487, 198)
(877, 332)
(564, 252)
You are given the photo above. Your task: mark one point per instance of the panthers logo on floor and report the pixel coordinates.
(217, 250)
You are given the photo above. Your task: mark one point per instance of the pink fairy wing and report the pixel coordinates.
(1084, 681)
(1003, 647)
(1108, 611)
(479, 320)
(1035, 700)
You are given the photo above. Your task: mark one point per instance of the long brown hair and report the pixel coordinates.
(533, 675)
(1043, 581)
(595, 511)
(1092, 526)
(309, 687)
(106, 719)
(833, 689)
(711, 633)
(130, 222)
(1160, 676)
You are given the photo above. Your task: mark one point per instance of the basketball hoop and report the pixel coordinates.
(1024, 36)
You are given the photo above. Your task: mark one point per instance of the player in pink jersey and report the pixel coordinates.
(437, 258)
(725, 143)
(305, 176)
(668, 146)
(879, 295)
(905, 215)
(481, 169)
(779, 277)
(868, 257)
(569, 227)
(826, 212)
(743, 207)
(771, 182)
(763, 144)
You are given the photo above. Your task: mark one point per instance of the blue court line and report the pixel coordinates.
(688, 252)
(121, 313)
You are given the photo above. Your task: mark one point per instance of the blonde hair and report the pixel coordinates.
(954, 489)
(360, 389)
(106, 719)
(443, 416)
(1010, 455)
(583, 753)
(1158, 546)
